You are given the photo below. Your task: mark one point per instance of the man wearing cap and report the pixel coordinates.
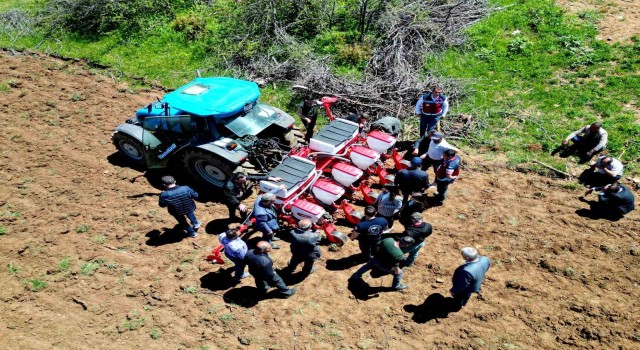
(304, 248)
(387, 259)
(261, 268)
(435, 153)
(418, 231)
(412, 179)
(467, 279)
(237, 188)
(586, 142)
(180, 203)
(369, 232)
(446, 174)
(430, 108)
(266, 216)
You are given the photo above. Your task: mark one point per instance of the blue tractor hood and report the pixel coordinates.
(218, 97)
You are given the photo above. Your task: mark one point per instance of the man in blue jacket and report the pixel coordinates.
(267, 217)
(467, 279)
(180, 202)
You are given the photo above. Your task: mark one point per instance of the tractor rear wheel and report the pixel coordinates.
(208, 168)
(129, 147)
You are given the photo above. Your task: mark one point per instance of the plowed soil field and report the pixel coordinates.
(89, 261)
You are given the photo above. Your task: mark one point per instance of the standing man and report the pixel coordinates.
(266, 216)
(418, 231)
(604, 171)
(614, 201)
(435, 153)
(415, 205)
(412, 179)
(235, 249)
(446, 174)
(304, 248)
(369, 232)
(587, 141)
(261, 268)
(420, 147)
(389, 203)
(430, 108)
(180, 203)
(308, 113)
(237, 188)
(467, 279)
(387, 259)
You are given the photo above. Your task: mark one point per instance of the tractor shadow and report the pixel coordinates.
(435, 306)
(156, 238)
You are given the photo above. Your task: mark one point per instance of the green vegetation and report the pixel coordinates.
(155, 333)
(82, 229)
(36, 284)
(3, 230)
(89, 268)
(13, 268)
(534, 73)
(64, 265)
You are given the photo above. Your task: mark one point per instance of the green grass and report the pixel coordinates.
(82, 229)
(3, 230)
(36, 284)
(89, 268)
(13, 268)
(64, 265)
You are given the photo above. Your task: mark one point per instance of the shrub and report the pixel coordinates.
(191, 24)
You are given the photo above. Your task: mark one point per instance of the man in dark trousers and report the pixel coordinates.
(387, 259)
(431, 106)
(586, 142)
(412, 179)
(419, 231)
(180, 203)
(261, 268)
(237, 188)
(308, 113)
(420, 146)
(415, 205)
(369, 232)
(446, 174)
(267, 216)
(614, 201)
(304, 248)
(467, 279)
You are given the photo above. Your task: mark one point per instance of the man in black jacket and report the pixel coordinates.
(412, 180)
(304, 248)
(179, 200)
(614, 201)
(419, 231)
(237, 188)
(261, 268)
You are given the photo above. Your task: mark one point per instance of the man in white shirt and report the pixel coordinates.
(604, 171)
(235, 249)
(434, 155)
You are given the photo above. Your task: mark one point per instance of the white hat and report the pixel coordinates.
(469, 253)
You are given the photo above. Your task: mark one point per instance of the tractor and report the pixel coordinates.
(210, 126)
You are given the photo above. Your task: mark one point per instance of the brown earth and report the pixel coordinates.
(558, 279)
(620, 18)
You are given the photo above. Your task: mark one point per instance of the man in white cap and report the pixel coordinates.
(435, 153)
(467, 279)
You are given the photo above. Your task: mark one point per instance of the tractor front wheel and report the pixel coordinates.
(208, 168)
(129, 147)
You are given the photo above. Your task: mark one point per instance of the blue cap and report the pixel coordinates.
(416, 161)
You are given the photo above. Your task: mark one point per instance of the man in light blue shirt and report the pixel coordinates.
(235, 249)
(467, 279)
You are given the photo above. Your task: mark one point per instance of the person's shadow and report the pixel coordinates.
(167, 236)
(596, 212)
(346, 262)
(435, 306)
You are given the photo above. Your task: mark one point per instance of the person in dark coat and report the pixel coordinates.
(418, 231)
(467, 279)
(415, 205)
(266, 216)
(237, 189)
(304, 248)
(261, 268)
(420, 146)
(614, 201)
(369, 232)
(412, 179)
(179, 200)
(308, 113)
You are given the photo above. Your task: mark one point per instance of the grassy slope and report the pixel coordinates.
(536, 73)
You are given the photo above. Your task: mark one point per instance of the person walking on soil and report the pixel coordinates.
(261, 268)
(412, 179)
(446, 174)
(237, 189)
(586, 142)
(467, 279)
(418, 231)
(235, 249)
(369, 232)
(179, 200)
(430, 108)
(308, 113)
(387, 259)
(304, 248)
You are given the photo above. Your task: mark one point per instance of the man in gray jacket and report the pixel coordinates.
(467, 279)
(585, 142)
(304, 248)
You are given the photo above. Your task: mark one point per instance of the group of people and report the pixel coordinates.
(603, 175)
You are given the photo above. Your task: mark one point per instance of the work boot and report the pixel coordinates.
(401, 286)
(197, 225)
(289, 292)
